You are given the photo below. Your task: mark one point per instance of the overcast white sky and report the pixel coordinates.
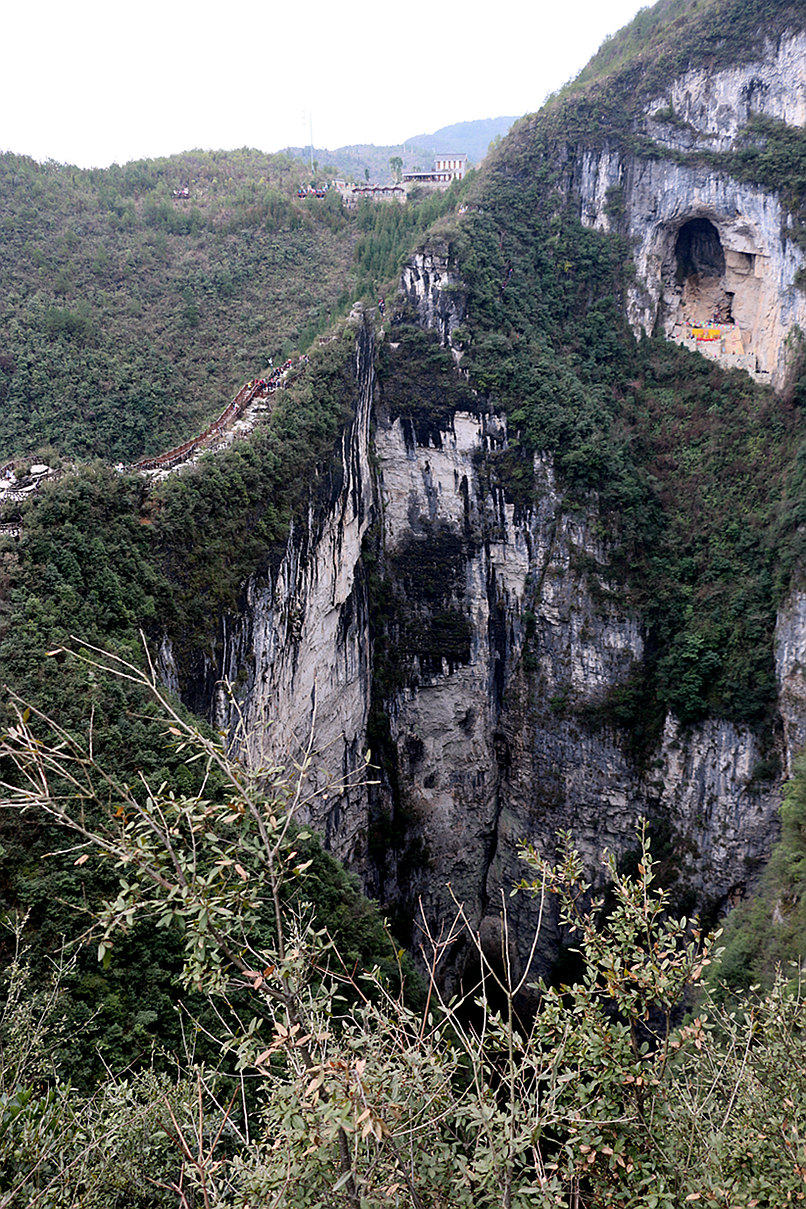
(94, 81)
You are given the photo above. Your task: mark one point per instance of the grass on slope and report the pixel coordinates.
(129, 317)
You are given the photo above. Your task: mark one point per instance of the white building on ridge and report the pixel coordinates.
(447, 168)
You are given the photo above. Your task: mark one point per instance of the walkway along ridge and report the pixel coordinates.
(261, 388)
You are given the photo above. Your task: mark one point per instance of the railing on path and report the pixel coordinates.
(263, 388)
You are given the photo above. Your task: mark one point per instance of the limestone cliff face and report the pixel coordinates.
(790, 667)
(294, 664)
(433, 291)
(507, 632)
(716, 105)
(751, 287)
(481, 669)
(506, 743)
(507, 740)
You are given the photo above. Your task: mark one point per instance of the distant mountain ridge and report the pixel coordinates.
(368, 161)
(474, 138)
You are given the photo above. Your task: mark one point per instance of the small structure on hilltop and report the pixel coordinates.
(352, 194)
(447, 168)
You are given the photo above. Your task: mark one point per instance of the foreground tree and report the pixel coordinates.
(328, 1088)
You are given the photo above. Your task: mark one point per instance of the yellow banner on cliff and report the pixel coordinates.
(706, 333)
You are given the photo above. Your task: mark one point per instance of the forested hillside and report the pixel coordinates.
(131, 315)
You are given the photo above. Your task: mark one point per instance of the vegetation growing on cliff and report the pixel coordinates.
(388, 233)
(694, 467)
(102, 556)
(637, 64)
(419, 384)
(767, 933)
(321, 1084)
(697, 476)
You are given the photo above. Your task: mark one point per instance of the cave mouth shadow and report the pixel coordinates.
(700, 267)
(698, 251)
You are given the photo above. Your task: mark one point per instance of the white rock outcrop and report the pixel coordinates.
(790, 668)
(505, 741)
(712, 107)
(433, 291)
(497, 749)
(660, 195)
(295, 664)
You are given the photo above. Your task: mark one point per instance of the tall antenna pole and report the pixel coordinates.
(310, 123)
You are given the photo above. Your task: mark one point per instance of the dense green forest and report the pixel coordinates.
(308, 1063)
(130, 316)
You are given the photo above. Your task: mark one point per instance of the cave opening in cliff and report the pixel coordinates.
(699, 250)
(700, 270)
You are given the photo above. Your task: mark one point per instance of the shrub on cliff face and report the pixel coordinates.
(328, 1089)
(693, 468)
(769, 930)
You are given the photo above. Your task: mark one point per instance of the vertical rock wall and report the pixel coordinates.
(482, 643)
(507, 632)
(790, 667)
(511, 742)
(294, 664)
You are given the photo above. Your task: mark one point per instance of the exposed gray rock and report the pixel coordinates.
(504, 741)
(434, 291)
(790, 667)
(660, 196)
(711, 107)
(507, 647)
(508, 745)
(295, 663)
